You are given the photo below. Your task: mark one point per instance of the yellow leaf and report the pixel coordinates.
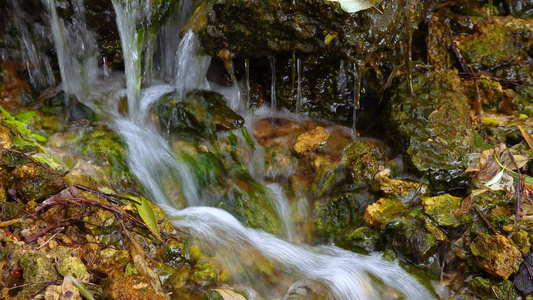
(330, 37)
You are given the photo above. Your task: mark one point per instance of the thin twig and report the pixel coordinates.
(487, 222)
(110, 197)
(51, 238)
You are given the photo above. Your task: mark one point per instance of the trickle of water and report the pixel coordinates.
(37, 64)
(76, 50)
(284, 211)
(247, 85)
(191, 68)
(346, 274)
(273, 84)
(168, 41)
(358, 72)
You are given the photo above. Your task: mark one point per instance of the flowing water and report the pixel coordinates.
(328, 270)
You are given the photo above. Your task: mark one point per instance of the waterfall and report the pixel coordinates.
(247, 83)
(129, 15)
(170, 183)
(191, 68)
(76, 50)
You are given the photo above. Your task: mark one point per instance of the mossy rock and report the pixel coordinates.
(496, 255)
(341, 213)
(251, 29)
(33, 182)
(69, 263)
(434, 126)
(363, 158)
(487, 288)
(442, 210)
(498, 48)
(36, 269)
(383, 211)
(412, 243)
(365, 238)
(200, 112)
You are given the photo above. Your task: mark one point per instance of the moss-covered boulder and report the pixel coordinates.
(496, 255)
(487, 288)
(442, 210)
(34, 182)
(434, 125)
(200, 112)
(378, 214)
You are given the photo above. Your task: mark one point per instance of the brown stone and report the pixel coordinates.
(308, 142)
(496, 255)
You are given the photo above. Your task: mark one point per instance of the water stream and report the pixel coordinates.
(157, 166)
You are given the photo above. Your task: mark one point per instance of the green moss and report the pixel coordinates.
(487, 288)
(363, 158)
(68, 263)
(442, 208)
(37, 268)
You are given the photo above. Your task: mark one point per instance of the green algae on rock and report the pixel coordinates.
(363, 158)
(442, 209)
(435, 126)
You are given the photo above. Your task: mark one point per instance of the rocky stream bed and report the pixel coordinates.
(432, 171)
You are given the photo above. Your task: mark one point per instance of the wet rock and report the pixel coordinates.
(260, 29)
(496, 255)
(221, 294)
(308, 289)
(308, 142)
(382, 212)
(121, 286)
(412, 243)
(279, 162)
(521, 241)
(363, 158)
(269, 131)
(435, 125)
(399, 189)
(342, 212)
(442, 209)
(33, 182)
(109, 259)
(201, 112)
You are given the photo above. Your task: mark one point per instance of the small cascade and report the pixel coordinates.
(191, 68)
(273, 83)
(299, 85)
(76, 50)
(347, 275)
(283, 208)
(36, 62)
(129, 15)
